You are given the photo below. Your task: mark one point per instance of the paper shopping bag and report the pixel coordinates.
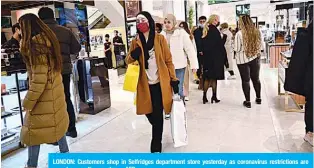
(179, 123)
(131, 78)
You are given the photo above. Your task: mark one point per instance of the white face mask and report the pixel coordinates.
(201, 25)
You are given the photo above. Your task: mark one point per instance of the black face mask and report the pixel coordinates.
(20, 36)
(107, 40)
(218, 24)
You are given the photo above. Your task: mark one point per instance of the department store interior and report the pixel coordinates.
(106, 119)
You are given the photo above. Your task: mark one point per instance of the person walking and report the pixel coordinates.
(248, 46)
(157, 80)
(214, 58)
(46, 119)
(198, 33)
(229, 49)
(299, 75)
(69, 46)
(186, 85)
(108, 50)
(182, 49)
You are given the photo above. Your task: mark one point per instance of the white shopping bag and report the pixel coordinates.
(178, 122)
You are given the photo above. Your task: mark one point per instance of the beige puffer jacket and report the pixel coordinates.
(46, 119)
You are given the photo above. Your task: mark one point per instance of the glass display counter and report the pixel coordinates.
(14, 86)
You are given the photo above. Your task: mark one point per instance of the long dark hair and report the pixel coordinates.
(39, 43)
(186, 28)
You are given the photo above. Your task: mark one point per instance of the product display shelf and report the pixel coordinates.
(11, 112)
(298, 100)
(274, 53)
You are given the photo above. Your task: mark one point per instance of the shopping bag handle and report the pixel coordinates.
(176, 97)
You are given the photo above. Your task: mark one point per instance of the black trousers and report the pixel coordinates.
(66, 84)
(156, 118)
(250, 71)
(308, 116)
(109, 56)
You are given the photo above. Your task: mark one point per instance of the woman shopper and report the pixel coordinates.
(248, 46)
(229, 49)
(108, 50)
(46, 119)
(215, 57)
(181, 48)
(186, 84)
(157, 76)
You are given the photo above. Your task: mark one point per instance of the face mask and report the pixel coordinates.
(201, 25)
(107, 40)
(143, 27)
(218, 24)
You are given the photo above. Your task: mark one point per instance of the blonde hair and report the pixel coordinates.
(224, 25)
(209, 22)
(251, 36)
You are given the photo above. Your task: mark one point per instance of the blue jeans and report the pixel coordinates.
(33, 152)
(180, 76)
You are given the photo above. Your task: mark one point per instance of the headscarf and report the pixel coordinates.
(149, 44)
(173, 20)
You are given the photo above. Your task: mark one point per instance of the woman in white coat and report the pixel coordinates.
(229, 49)
(181, 48)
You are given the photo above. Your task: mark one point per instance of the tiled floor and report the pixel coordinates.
(222, 127)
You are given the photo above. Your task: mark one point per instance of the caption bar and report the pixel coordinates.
(193, 160)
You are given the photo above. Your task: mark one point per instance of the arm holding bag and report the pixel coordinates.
(131, 78)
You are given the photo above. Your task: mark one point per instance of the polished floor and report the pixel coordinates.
(223, 127)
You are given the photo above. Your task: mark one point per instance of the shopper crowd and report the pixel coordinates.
(168, 55)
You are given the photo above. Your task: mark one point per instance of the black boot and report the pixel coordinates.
(205, 100)
(258, 101)
(214, 98)
(247, 104)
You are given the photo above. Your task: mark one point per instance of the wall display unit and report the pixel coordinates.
(133, 7)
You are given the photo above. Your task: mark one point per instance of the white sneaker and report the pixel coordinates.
(167, 116)
(233, 77)
(309, 138)
(186, 99)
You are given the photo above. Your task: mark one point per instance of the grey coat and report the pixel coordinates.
(68, 43)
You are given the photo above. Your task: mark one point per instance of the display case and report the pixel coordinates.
(13, 89)
(93, 85)
(273, 51)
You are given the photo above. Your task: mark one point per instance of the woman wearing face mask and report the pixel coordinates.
(157, 80)
(108, 52)
(215, 57)
(46, 118)
(181, 48)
